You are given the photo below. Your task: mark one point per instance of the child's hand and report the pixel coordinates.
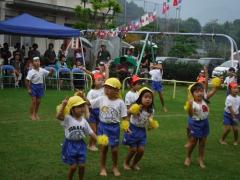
(29, 91)
(128, 131)
(80, 93)
(65, 101)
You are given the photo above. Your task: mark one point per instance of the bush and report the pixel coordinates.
(181, 71)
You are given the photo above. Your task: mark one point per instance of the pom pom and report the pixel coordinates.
(187, 106)
(153, 124)
(134, 109)
(102, 140)
(124, 125)
(216, 82)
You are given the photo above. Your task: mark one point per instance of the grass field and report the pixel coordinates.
(31, 150)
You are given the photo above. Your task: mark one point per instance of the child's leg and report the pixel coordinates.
(115, 161)
(92, 142)
(192, 144)
(71, 171)
(202, 143)
(235, 134)
(226, 130)
(137, 158)
(162, 101)
(38, 101)
(81, 171)
(188, 137)
(131, 152)
(103, 157)
(33, 108)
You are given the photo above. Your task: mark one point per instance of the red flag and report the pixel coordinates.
(175, 2)
(165, 8)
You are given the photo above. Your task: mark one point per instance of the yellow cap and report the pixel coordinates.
(144, 89)
(72, 102)
(113, 82)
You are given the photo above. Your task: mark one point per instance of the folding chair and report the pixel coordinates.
(64, 78)
(7, 77)
(79, 79)
(51, 81)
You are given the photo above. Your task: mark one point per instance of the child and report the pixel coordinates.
(198, 123)
(132, 95)
(156, 77)
(231, 113)
(34, 84)
(201, 77)
(112, 109)
(232, 77)
(136, 140)
(95, 92)
(76, 128)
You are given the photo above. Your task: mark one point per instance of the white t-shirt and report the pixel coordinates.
(131, 97)
(95, 93)
(76, 129)
(233, 102)
(140, 120)
(156, 74)
(229, 79)
(111, 111)
(37, 76)
(200, 110)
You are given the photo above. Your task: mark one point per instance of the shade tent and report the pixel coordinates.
(27, 25)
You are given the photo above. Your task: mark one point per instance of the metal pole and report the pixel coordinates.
(125, 12)
(140, 59)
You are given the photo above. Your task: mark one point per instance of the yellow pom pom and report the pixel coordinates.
(216, 82)
(134, 109)
(102, 140)
(153, 124)
(187, 106)
(124, 125)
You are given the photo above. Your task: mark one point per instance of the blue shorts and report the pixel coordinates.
(37, 90)
(157, 86)
(137, 137)
(228, 120)
(94, 116)
(74, 152)
(198, 129)
(112, 131)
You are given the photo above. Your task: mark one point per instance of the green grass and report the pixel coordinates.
(32, 150)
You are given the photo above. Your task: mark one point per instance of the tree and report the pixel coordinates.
(191, 25)
(184, 47)
(100, 15)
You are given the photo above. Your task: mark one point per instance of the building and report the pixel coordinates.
(56, 11)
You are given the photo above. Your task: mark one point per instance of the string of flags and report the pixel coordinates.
(132, 26)
(167, 4)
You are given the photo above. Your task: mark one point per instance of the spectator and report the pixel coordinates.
(62, 64)
(78, 54)
(50, 55)
(122, 69)
(5, 54)
(33, 52)
(145, 65)
(17, 64)
(103, 55)
(62, 51)
(18, 49)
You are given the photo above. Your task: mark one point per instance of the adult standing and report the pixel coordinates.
(50, 55)
(5, 54)
(103, 55)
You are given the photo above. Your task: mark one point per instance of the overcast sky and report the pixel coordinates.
(203, 10)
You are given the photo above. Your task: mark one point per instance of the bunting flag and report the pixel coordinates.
(175, 2)
(165, 8)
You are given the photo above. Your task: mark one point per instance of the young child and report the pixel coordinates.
(76, 128)
(132, 95)
(156, 77)
(136, 140)
(231, 113)
(95, 92)
(232, 77)
(198, 123)
(34, 84)
(112, 110)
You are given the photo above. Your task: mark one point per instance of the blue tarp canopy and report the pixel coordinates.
(27, 25)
